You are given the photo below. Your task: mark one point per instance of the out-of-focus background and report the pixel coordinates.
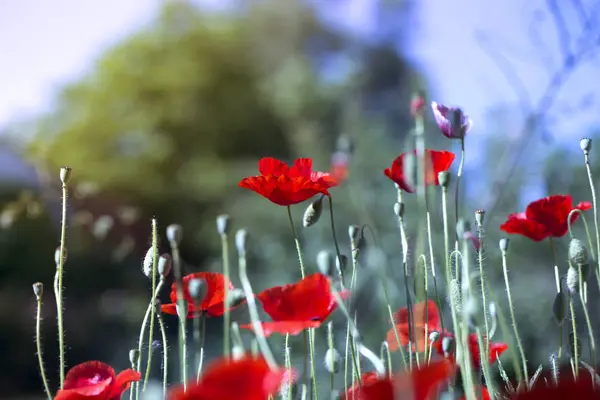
(161, 108)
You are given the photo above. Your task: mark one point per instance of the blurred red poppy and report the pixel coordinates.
(436, 161)
(544, 218)
(481, 393)
(285, 185)
(495, 349)
(247, 378)
(567, 388)
(410, 385)
(213, 304)
(424, 318)
(298, 306)
(340, 166)
(96, 380)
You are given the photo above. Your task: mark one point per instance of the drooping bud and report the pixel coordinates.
(241, 240)
(444, 179)
(65, 174)
(313, 212)
(134, 356)
(38, 290)
(399, 210)
(503, 244)
(578, 253)
(434, 336)
(332, 361)
(326, 263)
(447, 345)
(164, 265)
(586, 145)
(57, 256)
(341, 263)
(235, 297)
(559, 307)
(174, 234)
(223, 224)
(353, 232)
(197, 288)
(148, 262)
(182, 309)
(479, 217)
(573, 280)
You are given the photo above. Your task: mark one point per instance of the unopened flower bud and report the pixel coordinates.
(434, 336)
(559, 307)
(235, 297)
(65, 174)
(57, 256)
(455, 295)
(444, 179)
(164, 265)
(182, 309)
(332, 361)
(399, 210)
(586, 145)
(353, 232)
(503, 244)
(197, 288)
(237, 352)
(479, 217)
(341, 263)
(573, 280)
(326, 263)
(241, 240)
(147, 264)
(223, 222)
(578, 253)
(313, 212)
(134, 356)
(38, 290)
(447, 345)
(174, 234)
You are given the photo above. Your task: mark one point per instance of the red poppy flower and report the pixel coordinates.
(416, 384)
(567, 388)
(285, 185)
(485, 395)
(213, 304)
(421, 320)
(298, 306)
(437, 161)
(340, 166)
(443, 115)
(247, 378)
(495, 349)
(94, 380)
(544, 217)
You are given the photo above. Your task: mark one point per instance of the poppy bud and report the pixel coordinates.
(313, 212)
(174, 234)
(447, 345)
(241, 239)
(182, 309)
(325, 263)
(455, 296)
(235, 297)
(586, 145)
(479, 217)
(578, 253)
(197, 288)
(503, 244)
(332, 361)
(353, 232)
(399, 210)
(148, 261)
(341, 263)
(434, 336)
(559, 307)
(57, 256)
(444, 179)
(237, 352)
(573, 280)
(164, 265)
(65, 174)
(134, 356)
(38, 290)
(223, 224)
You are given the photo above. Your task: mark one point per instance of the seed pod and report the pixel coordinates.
(559, 307)
(503, 244)
(447, 345)
(241, 240)
(326, 263)
(313, 212)
(134, 356)
(65, 174)
(434, 336)
(586, 145)
(479, 217)
(444, 179)
(573, 280)
(182, 309)
(197, 288)
(235, 297)
(353, 232)
(341, 263)
(223, 224)
(578, 253)
(332, 361)
(164, 265)
(174, 234)
(38, 290)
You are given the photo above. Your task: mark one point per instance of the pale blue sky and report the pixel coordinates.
(46, 43)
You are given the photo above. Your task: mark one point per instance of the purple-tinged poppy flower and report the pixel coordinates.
(443, 117)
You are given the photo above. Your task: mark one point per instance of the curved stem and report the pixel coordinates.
(296, 240)
(588, 168)
(165, 349)
(38, 344)
(384, 354)
(152, 303)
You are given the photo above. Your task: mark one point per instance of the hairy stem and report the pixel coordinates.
(152, 303)
(38, 344)
(296, 240)
(226, 316)
(59, 286)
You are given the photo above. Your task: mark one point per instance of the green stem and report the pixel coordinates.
(589, 325)
(226, 316)
(38, 343)
(335, 241)
(485, 365)
(332, 354)
(288, 366)
(199, 338)
(385, 355)
(177, 272)
(486, 348)
(165, 349)
(59, 286)
(458, 178)
(588, 168)
(183, 333)
(152, 303)
(575, 347)
(313, 373)
(296, 240)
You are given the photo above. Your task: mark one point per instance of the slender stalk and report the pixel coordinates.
(446, 234)
(485, 365)
(38, 344)
(589, 325)
(384, 354)
(307, 378)
(332, 354)
(59, 283)
(514, 321)
(575, 347)
(199, 338)
(288, 366)
(467, 293)
(296, 240)
(165, 349)
(433, 272)
(461, 167)
(588, 168)
(183, 307)
(177, 271)
(483, 294)
(152, 303)
(313, 373)
(226, 315)
(335, 241)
